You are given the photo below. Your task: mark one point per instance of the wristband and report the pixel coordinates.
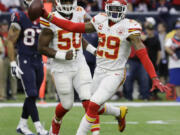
(60, 55)
(90, 49)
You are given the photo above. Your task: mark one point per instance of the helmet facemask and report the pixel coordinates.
(115, 11)
(27, 3)
(64, 8)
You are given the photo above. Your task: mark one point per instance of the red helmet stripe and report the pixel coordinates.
(120, 1)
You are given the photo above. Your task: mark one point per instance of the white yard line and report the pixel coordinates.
(157, 122)
(115, 122)
(130, 104)
(154, 122)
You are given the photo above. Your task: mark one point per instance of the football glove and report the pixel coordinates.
(158, 85)
(15, 70)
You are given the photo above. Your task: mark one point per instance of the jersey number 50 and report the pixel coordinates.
(111, 43)
(68, 41)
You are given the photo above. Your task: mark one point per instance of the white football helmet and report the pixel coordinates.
(66, 8)
(116, 9)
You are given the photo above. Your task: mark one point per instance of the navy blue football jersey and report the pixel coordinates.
(28, 40)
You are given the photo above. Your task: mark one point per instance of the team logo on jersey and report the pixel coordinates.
(120, 31)
(100, 26)
(13, 17)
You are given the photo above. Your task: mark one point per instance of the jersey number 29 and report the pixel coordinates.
(112, 44)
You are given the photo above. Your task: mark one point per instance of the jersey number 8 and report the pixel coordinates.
(29, 36)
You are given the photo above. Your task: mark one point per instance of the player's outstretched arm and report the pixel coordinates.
(68, 25)
(88, 47)
(45, 38)
(145, 60)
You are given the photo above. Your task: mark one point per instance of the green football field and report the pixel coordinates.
(159, 120)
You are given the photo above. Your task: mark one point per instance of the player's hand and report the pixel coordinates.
(158, 85)
(15, 70)
(71, 55)
(46, 15)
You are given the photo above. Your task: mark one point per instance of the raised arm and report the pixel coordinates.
(142, 54)
(68, 25)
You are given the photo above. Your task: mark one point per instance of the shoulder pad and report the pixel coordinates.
(79, 9)
(100, 18)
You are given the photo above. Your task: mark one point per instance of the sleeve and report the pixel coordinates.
(81, 13)
(168, 42)
(16, 19)
(133, 28)
(80, 10)
(98, 19)
(46, 24)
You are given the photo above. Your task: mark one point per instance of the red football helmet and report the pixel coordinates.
(66, 6)
(116, 9)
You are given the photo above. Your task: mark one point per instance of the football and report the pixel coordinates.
(35, 9)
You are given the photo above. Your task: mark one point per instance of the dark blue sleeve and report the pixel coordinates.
(16, 17)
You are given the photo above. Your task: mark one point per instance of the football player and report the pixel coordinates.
(116, 35)
(23, 35)
(69, 68)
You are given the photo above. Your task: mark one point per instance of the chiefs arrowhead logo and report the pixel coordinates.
(120, 31)
(100, 27)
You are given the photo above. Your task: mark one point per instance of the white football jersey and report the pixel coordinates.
(113, 48)
(64, 41)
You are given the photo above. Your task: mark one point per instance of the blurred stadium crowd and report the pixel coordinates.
(98, 5)
(161, 32)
